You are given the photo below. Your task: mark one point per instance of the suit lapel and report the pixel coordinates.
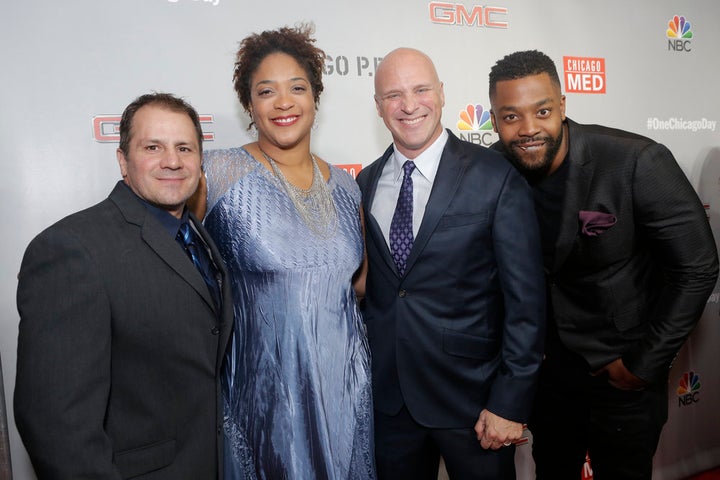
(447, 179)
(372, 228)
(226, 316)
(374, 170)
(582, 168)
(157, 238)
(452, 164)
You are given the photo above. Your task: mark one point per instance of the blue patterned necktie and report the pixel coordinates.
(201, 259)
(401, 227)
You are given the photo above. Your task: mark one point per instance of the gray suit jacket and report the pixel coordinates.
(119, 350)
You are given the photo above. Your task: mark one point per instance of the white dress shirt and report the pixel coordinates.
(388, 189)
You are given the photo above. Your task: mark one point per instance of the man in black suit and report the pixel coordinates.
(121, 338)
(456, 322)
(630, 262)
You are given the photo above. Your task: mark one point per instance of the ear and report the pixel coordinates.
(122, 161)
(492, 119)
(442, 94)
(562, 107)
(377, 106)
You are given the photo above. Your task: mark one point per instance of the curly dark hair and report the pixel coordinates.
(520, 65)
(296, 42)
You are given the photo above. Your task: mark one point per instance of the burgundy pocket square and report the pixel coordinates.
(595, 223)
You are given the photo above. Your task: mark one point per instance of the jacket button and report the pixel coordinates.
(215, 330)
(402, 293)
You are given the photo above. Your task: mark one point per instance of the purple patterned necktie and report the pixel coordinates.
(401, 227)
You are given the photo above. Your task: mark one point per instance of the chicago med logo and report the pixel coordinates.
(584, 74)
(478, 15)
(475, 125)
(106, 128)
(688, 389)
(679, 34)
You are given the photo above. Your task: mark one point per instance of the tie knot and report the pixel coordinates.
(408, 167)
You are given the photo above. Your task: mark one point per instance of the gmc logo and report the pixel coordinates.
(106, 128)
(457, 14)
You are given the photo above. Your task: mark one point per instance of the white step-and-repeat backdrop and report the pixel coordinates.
(70, 67)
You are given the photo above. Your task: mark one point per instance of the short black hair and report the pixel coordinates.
(167, 101)
(520, 65)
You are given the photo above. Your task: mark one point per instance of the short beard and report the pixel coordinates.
(535, 173)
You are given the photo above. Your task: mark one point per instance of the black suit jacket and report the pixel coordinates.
(119, 350)
(463, 329)
(637, 289)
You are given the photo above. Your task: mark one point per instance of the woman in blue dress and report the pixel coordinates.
(297, 396)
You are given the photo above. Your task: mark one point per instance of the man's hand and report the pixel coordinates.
(620, 377)
(495, 432)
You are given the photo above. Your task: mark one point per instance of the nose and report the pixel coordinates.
(528, 127)
(171, 159)
(283, 101)
(409, 102)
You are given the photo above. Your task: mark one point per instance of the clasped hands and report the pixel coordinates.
(495, 432)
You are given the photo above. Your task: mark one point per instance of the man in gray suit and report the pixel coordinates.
(121, 335)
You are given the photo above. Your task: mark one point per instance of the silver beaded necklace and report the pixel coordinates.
(315, 204)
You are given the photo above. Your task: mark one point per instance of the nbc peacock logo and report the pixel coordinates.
(475, 125)
(688, 389)
(474, 117)
(679, 33)
(679, 27)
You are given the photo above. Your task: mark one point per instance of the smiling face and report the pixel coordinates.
(162, 163)
(281, 102)
(528, 115)
(409, 98)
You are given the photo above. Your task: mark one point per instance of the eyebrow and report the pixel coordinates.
(409, 89)
(173, 144)
(294, 79)
(537, 104)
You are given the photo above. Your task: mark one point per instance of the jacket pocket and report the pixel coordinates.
(148, 458)
(454, 221)
(469, 346)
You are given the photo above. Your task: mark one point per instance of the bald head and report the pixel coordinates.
(409, 98)
(396, 61)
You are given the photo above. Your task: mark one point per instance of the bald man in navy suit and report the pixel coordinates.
(456, 328)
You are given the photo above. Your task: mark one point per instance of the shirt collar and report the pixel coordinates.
(166, 219)
(426, 163)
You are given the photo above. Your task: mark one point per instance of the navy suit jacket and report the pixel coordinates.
(637, 288)
(119, 350)
(463, 328)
